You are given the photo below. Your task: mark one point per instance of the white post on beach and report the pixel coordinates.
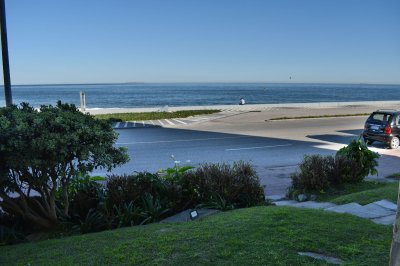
(83, 101)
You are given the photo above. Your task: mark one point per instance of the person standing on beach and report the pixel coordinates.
(242, 101)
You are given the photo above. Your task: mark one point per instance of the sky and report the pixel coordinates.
(109, 41)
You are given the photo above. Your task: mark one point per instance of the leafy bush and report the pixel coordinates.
(172, 178)
(318, 173)
(234, 185)
(355, 162)
(95, 221)
(124, 189)
(128, 215)
(41, 151)
(86, 193)
(153, 210)
(146, 197)
(315, 173)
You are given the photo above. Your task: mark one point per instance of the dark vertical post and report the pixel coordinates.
(4, 50)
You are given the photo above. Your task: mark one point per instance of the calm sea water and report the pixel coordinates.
(180, 94)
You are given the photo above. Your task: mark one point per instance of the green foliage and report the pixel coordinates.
(217, 202)
(42, 150)
(315, 173)
(355, 162)
(86, 194)
(145, 197)
(119, 117)
(234, 185)
(130, 188)
(152, 208)
(174, 173)
(128, 215)
(138, 199)
(94, 221)
(320, 173)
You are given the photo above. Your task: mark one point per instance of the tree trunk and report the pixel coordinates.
(66, 199)
(28, 208)
(395, 249)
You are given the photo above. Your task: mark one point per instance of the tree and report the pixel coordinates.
(42, 150)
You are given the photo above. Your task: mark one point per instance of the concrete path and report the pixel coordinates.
(380, 212)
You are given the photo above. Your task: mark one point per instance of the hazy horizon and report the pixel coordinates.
(200, 82)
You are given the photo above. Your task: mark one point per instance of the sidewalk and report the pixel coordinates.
(379, 212)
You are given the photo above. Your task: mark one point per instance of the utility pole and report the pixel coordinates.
(4, 50)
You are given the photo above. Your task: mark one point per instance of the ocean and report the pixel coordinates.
(131, 95)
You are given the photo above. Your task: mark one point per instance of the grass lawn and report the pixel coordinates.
(362, 193)
(317, 116)
(254, 236)
(153, 115)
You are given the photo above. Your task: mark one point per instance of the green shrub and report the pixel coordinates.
(355, 162)
(152, 208)
(124, 189)
(95, 221)
(172, 178)
(86, 194)
(128, 215)
(42, 150)
(138, 199)
(315, 174)
(318, 173)
(234, 185)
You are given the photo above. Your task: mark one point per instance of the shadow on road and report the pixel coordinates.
(273, 157)
(339, 139)
(356, 132)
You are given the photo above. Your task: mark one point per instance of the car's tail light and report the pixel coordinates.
(387, 130)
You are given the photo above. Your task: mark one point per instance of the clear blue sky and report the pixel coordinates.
(96, 41)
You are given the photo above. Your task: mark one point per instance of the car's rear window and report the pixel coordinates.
(382, 117)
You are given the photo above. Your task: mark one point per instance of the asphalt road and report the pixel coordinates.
(265, 144)
(274, 147)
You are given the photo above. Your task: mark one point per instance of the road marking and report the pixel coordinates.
(260, 147)
(117, 124)
(179, 121)
(177, 140)
(143, 123)
(152, 122)
(169, 122)
(161, 123)
(134, 123)
(126, 124)
(199, 119)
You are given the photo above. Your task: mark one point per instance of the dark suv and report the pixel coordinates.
(383, 126)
